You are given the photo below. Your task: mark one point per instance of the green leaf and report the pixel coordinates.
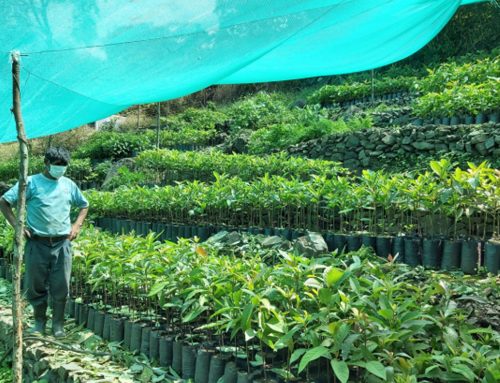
(312, 282)
(277, 327)
(286, 339)
(332, 275)
(249, 334)
(313, 354)
(157, 287)
(297, 354)
(341, 370)
(325, 296)
(465, 371)
(377, 369)
(246, 316)
(450, 337)
(341, 333)
(193, 314)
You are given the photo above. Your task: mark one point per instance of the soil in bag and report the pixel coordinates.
(177, 357)
(431, 253)
(145, 340)
(116, 329)
(188, 362)
(383, 246)
(202, 366)
(412, 252)
(469, 257)
(136, 335)
(216, 369)
(492, 257)
(98, 322)
(166, 350)
(230, 373)
(450, 259)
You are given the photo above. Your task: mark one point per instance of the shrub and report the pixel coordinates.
(113, 145)
(451, 75)
(260, 110)
(194, 119)
(331, 94)
(469, 99)
(282, 136)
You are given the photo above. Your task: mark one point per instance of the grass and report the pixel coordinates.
(71, 140)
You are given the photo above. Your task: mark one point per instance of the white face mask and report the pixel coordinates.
(57, 171)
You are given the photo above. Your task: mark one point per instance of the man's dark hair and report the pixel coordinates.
(57, 156)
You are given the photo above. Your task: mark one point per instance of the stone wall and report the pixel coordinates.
(371, 148)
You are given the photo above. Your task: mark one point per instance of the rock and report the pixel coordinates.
(300, 103)
(239, 142)
(233, 238)
(389, 139)
(443, 129)
(113, 171)
(272, 241)
(336, 157)
(489, 143)
(352, 141)
(460, 145)
(370, 146)
(422, 145)
(406, 141)
(408, 148)
(478, 138)
(351, 164)
(497, 139)
(375, 153)
(220, 237)
(481, 148)
(350, 155)
(441, 147)
(311, 245)
(430, 134)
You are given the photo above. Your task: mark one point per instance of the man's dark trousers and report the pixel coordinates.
(47, 269)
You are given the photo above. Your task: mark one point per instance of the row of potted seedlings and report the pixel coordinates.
(434, 253)
(376, 98)
(203, 362)
(480, 118)
(448, 203)
(203, 359)
(188, 305)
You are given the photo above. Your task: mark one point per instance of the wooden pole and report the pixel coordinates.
(158, 127)
(373, 86)
(17, 304)
(138, 116)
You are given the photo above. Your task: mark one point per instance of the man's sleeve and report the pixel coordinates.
(11, 195)
(77, 198)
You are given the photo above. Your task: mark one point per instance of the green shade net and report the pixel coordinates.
(87, 59)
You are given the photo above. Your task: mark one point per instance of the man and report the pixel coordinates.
(49, 198)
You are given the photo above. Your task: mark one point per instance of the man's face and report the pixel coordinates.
(56, 168)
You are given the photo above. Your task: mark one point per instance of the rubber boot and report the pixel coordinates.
(40, 316)
(58, 319)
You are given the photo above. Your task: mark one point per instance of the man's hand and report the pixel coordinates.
(27, 234)
(75, 230)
